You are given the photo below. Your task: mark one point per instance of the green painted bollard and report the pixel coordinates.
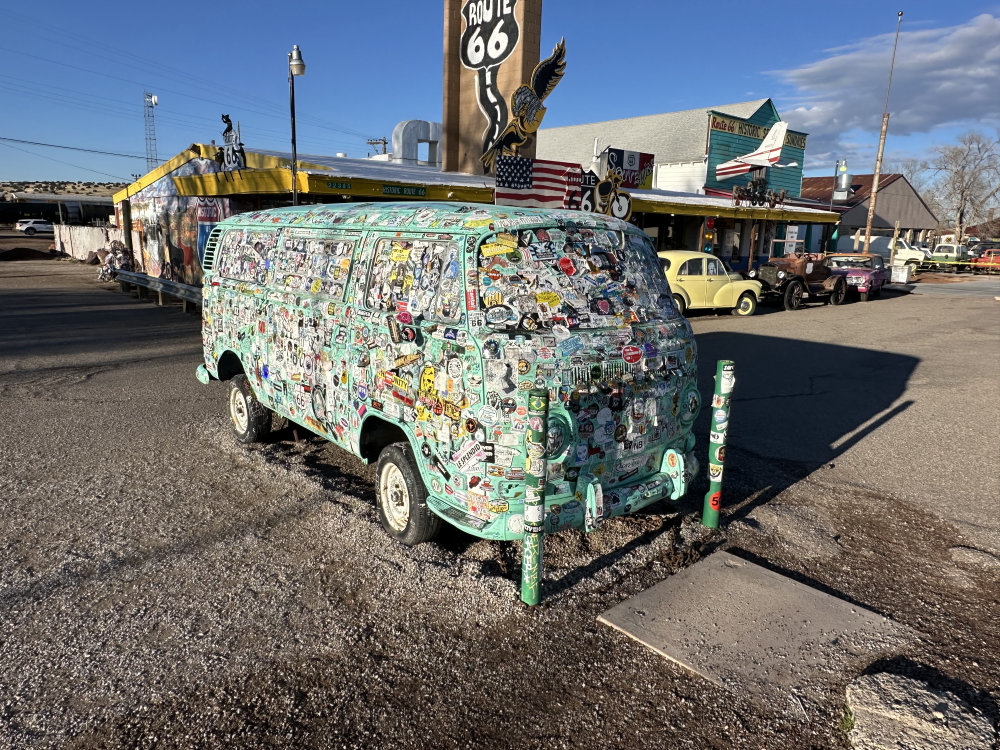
(725, 379)
(534, 496)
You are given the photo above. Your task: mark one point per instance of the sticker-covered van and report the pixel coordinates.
(412, 333)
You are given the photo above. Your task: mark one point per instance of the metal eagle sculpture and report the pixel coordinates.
(526, 108)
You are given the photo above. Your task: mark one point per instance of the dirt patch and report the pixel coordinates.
(942, 278)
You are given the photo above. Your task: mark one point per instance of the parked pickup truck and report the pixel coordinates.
(906, 254)
(949, 257)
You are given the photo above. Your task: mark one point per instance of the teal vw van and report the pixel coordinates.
(411, 334)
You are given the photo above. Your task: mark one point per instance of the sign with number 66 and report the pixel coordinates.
(491, 32)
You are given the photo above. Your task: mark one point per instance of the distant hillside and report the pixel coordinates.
(63, 188)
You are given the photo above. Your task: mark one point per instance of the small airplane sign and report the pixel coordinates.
(765, 156)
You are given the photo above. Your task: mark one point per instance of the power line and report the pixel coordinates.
(60, 161)
(71, 148)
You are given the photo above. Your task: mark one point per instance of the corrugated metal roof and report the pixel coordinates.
(671, 137)
(821, 188)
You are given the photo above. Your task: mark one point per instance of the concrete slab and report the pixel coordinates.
(754, 631)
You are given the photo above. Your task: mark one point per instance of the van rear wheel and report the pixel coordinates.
(251, 419)
(402, 497)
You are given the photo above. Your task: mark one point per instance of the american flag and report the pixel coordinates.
(536, 182)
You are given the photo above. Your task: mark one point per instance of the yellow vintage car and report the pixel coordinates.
(702, 281)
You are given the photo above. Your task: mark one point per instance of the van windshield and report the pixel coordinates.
(579, 277)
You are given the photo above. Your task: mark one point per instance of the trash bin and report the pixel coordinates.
(901, 274)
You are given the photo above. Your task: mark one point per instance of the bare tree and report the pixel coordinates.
(967, 180)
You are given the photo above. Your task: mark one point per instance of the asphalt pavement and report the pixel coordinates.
(163, 586)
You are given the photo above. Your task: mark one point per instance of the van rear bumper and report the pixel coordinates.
(580, 510)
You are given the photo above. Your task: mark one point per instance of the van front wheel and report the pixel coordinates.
(251, 419)
(402, 497)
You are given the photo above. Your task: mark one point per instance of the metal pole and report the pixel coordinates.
(881, 140)
(534, 496)
(295, 158)
(836, 171)
(725, 380)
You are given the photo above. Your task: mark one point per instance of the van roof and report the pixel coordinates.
(426, 215)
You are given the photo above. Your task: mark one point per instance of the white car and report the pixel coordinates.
(34, 226)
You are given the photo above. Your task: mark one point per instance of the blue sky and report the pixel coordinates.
(74, 73)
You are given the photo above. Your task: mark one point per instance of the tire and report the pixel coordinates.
(792, 297)
(30, 231)
(402, 498)
(864, 296)
(746, 305)
(839, 293)
(250, 418)
(679, 303)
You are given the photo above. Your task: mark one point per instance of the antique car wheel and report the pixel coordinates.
(402, 497)
(746, 305)
(251, 419)
(839, 293)
(679, 303)
(793, 295)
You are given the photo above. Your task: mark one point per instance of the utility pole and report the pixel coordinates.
(383, 141)
(881, 140)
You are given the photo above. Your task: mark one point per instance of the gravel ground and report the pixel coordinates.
(163, 586)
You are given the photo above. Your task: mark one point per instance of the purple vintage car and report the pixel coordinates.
(865, 274)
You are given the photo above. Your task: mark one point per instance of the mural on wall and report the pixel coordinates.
(526, 107)
(169, 224)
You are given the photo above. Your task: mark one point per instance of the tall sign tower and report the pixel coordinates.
(491, 47)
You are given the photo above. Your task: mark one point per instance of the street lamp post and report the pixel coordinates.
(296, 67)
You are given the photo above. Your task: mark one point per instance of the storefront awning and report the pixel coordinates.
(687, 204)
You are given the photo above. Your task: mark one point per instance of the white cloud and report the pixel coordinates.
(942, 78)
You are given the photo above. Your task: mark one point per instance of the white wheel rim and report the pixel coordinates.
(745, 305)
(395, 497)
(238, 410)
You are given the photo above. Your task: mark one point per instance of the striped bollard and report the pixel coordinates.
(725, 379)
(534, 496)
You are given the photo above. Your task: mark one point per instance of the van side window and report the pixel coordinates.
(419, 276)
(243, 254)
(314, 264)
